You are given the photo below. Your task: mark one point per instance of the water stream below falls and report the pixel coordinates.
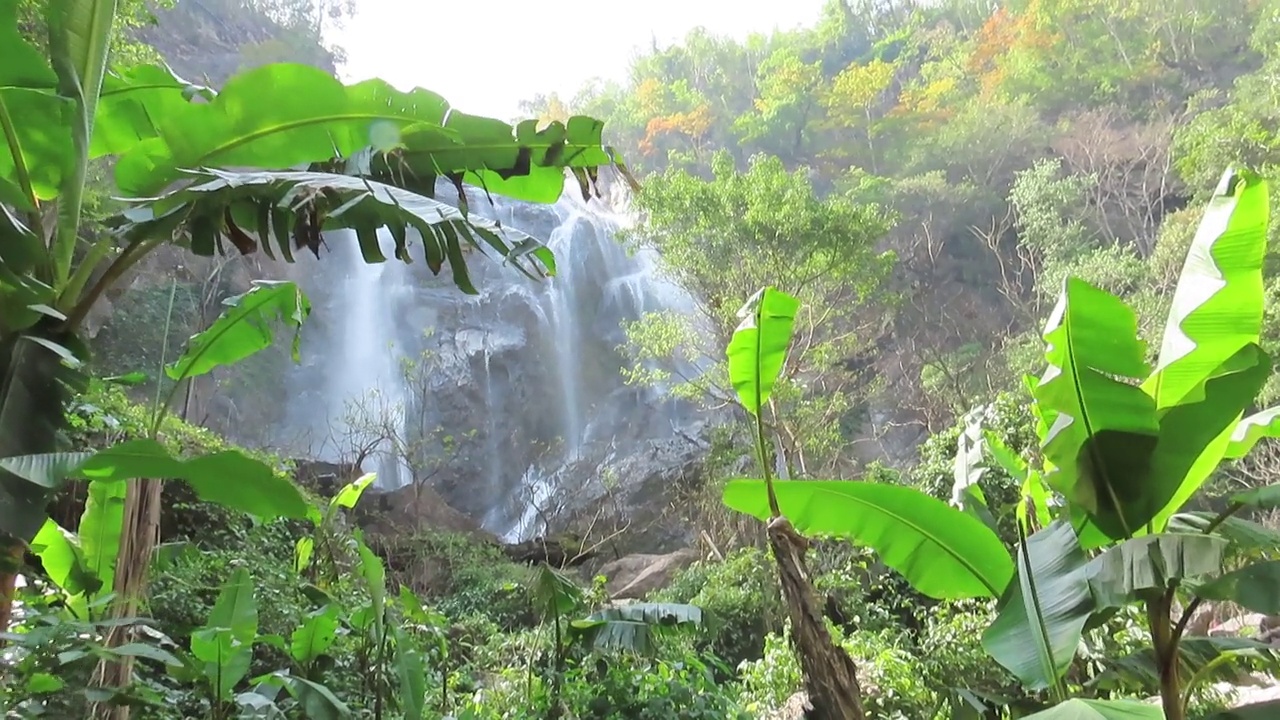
(509, 393)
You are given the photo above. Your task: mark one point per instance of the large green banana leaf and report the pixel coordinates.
(312, 117)
(943, 552)
(36, 150)
(1218, 304)
(133, 100)
(244, 328)
(1101, 429)
(758, 349)
(1195, 435)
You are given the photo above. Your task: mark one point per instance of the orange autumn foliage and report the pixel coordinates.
(693, 125)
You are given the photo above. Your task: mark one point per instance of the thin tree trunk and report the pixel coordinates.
(139, 534)
(830, 677)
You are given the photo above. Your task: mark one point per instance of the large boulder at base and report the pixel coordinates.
(635, 576)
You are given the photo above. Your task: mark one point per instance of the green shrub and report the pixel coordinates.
(463, 577)
(740, 601)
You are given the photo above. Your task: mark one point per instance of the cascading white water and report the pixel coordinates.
(525, 377)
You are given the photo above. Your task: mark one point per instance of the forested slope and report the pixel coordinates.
(1011, 144)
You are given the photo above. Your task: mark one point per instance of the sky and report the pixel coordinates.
(485, 56)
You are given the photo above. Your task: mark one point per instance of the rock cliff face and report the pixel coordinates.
(213, 39)
(510, 403)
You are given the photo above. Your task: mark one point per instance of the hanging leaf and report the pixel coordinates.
(1103, 429)
(1146, 567)
(1244, 535)
(228, 478)
(758, 349)
(943, 552)
(630, 627)
(968, 469)
(406, 137)
(245, 327)
(49, 470)
(1043, 613)
(280, 207)
(1081, 709)
(318, 702)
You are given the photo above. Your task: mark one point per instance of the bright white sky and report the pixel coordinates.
(485, 56)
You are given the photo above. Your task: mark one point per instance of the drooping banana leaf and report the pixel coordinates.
(1244, 536)
(630, 627)
(1209, 659)
(35, 382)
(1083, 709)
(968, 468)
(943, 552)
(229, 478)
(60, 555)
(1043, 613)
(1145, 567)
(284, 210)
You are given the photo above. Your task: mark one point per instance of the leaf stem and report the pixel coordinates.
(1223, 516)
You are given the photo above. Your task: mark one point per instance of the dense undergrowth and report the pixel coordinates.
(489, 650)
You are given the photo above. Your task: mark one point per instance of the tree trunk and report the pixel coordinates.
(830, 676)
(139, 534)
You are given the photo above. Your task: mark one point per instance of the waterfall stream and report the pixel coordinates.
(516, 387)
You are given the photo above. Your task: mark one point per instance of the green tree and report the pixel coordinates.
(720, 238)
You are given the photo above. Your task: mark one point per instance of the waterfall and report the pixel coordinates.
(523, 389)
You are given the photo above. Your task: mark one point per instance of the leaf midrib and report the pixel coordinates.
(922, 531)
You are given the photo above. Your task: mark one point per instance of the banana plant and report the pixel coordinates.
(83, 566)
(372, 156)
(1123, 448)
